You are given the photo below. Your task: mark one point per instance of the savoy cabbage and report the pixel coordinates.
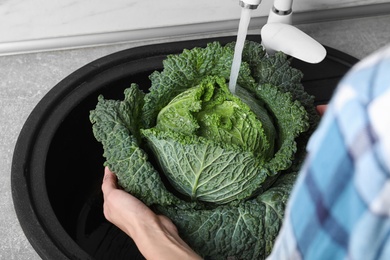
(221, 166)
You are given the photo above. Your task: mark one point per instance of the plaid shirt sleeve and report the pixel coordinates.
(340, 205)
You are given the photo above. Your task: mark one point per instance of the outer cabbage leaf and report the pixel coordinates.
(116, 124)
(247, 231)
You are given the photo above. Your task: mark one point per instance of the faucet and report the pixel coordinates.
(278, 34)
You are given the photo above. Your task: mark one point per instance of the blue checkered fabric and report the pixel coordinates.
(340, 205)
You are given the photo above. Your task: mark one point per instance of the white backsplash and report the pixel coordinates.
(24, 23)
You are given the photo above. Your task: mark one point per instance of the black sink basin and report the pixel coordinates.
(57, 166)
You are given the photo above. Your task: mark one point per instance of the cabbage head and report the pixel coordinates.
(220, 165)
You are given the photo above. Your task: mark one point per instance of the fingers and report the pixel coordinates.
(109, 188)
(321, 109)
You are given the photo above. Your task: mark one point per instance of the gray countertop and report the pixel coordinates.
(26, 78)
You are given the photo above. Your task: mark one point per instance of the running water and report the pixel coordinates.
(241, 35)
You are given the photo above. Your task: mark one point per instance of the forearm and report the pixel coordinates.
(155, 241)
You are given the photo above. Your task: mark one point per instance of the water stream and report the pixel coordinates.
(241, 36)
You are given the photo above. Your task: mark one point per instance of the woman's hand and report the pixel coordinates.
(155, 235)
(321, 109)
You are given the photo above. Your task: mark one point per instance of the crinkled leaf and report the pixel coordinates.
(116, 125)
(277, 71)
(211, 111)
(247, 231)
(186, 70)
(204, 171)
(291, 119)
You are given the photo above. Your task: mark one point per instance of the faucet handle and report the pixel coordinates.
(292, 41)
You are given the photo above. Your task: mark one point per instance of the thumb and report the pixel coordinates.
(109, 181)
